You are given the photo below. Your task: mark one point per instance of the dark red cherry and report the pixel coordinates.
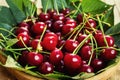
(52, 12)
(97, 35)
(38, 28)
(67, 28)
(23, 38)
(49, 43)
(70, 45)
(56, 56)
(59, 17)
(24, 24)
(97, 64)
(109, 40)
(79, 18)
(49, 24)
(60, 66)
(91, 24)
(108, 53)
(44, 17)
(86, 52)
(60, 43)
(65, 11)
(86, 68)
(34, 44)
(57, 26)
(81, 37)
(34, 58)
(72, 61)
(71, 21)
(46, 68)
(21, 30)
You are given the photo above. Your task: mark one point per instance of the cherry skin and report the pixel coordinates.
(79, 18)
(44, 17)
(35, 45)
(52, 12)
(46, 68)
(70, 45)
(21, 30)
(49, 43)
(91, 24)
(38, 28)
(86, 52)
(59, 17)
(81, 37)
(24, 24)
(57, 26)
(49, 24)
(108, 53)
(72, 61)
(86, 68)
(56, 56)
(65, 11)
(97, 64)
(23, 38)
(34, 59)
(71, 21)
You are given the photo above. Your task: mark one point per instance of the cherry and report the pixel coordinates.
(34, 58)
(38, 27)
(24, 24)
(23, 37)
(97, 64)
(81, 37)
(49, 24)
(49, 43)
(21, 30)
(60, 66)
(48, 34)
(86, 68)
(46, 68)
(71, 21)
(91, 24)
(97, 35)
(56, 56)
(65, 11)
(108, 53)
(72, 61)
(60, 43)
(109, 40)
(70, 45)
(52, 12)
(67, 28)
(79, 18)
(44, 16)
(34, 44)
(59, 17)
(57, 26)
(86, 52)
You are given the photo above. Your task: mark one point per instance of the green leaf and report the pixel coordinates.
(11, 42)
(115, 31)
(6, 16)
(94, 7)
(5, 26)
(109, 16)
(17, 13)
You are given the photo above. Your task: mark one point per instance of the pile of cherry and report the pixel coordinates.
(60, 43)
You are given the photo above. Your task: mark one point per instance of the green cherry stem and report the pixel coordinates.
(81, 44)
(46, 6)
(56, 6)
(101, 27)
(62, 4)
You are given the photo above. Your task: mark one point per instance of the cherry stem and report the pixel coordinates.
(81, 44)
(63, 4)
(91, 38)
(56, 7)
(101, 27)
(19, 49)
(46, 6)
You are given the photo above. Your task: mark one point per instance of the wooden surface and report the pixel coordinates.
(4, 75)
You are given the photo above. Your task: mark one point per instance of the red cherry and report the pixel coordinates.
(86, 68)
(49, 43)
(81, 37)
(34, 59)
(34, 44)
(49, 34)
(46, 68)
(71, 21)
(21, 30)
(44, 17)
(72, 61)
(23, 37)
(56, 56)
(70, 45)
(86, 52)
(38, 28)
(108, 54)
(59, 17)
(79, 18)
(49, 24)
(65, 11)
(91, 24)
(52, 12)
(24, 24)
(57, 26)
(97, 64)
